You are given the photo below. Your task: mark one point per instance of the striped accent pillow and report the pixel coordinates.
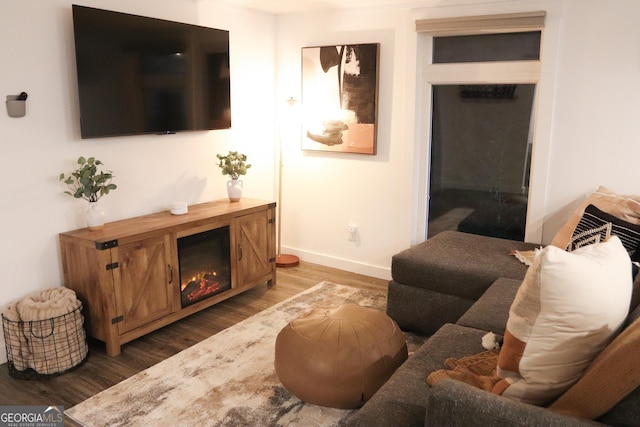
(626, 207)
(596, 226)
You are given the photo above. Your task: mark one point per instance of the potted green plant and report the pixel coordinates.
(90, 184)
(233, 164)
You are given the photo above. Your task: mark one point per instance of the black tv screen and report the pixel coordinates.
(139, 75)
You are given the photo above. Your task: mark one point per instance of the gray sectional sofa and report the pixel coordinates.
(456, 287)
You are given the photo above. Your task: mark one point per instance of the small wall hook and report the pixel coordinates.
(16, 105)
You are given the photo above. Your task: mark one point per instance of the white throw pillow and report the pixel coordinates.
(568, 308)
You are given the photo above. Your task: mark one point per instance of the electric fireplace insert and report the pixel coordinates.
(205, 265)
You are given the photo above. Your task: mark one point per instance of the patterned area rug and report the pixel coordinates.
(227, 379)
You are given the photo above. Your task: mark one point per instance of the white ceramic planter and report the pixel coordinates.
(94, 216)
(234, 189)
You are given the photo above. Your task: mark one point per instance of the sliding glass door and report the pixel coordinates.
(482, 113)
(480, 158)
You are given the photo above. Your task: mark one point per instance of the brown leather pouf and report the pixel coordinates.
(339, 356)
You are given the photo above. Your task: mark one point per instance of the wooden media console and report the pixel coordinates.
(133, 275)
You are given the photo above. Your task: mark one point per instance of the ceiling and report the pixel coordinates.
(292, 6)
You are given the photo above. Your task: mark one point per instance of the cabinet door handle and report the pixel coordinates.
(170, 273)
(239, 252)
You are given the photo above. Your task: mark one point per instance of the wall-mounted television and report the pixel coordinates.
(140, 75)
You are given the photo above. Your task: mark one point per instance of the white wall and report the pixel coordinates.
(36, 42)
(588, 125)
(597, 108)
(323, 193)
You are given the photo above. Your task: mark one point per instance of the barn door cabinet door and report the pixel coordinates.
(143, 282)
(255, 248)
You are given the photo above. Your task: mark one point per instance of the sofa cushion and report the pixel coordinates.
(458, 263)
(625, 413)
(567, 309)
(456, 404)
(402, 400)
(626, 207)
(612, 375)
(491, 311)
(423, 310)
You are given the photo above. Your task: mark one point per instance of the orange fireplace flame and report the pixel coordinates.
(200, 287)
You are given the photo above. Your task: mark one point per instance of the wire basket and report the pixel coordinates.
(40, 349)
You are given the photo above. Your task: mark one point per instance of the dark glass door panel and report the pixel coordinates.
(480, 159)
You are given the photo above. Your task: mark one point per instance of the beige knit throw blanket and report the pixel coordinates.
(39, 331)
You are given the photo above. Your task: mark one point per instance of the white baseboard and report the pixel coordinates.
(342, 264)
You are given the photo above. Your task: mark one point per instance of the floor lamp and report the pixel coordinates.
(283, 260)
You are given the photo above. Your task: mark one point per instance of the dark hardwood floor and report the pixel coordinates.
(100, 371)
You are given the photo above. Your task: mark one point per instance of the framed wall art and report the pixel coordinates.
(340, 98)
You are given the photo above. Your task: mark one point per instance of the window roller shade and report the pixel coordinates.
(513, 22)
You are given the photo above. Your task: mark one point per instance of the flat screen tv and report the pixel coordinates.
(140, 75)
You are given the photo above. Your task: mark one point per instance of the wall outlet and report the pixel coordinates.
(353, 232)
